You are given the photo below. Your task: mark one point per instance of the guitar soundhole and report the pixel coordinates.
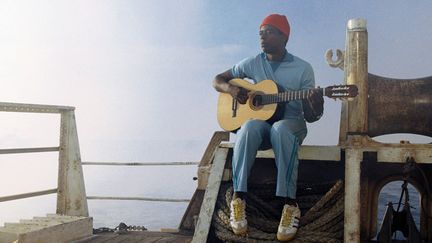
(257, 100)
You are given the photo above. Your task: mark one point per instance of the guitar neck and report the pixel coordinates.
(287, 96)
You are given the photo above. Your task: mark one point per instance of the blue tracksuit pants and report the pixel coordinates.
(284, 136)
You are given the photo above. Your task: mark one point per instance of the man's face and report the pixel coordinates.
(272, 40)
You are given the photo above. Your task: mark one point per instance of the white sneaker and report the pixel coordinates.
(238, 220)
(289, 223)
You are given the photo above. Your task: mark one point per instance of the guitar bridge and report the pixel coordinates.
(234, 107)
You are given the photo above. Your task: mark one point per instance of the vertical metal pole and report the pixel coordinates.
(71, 196)
(356, 72)
(343, 125)
(352, 195)
(357, 115)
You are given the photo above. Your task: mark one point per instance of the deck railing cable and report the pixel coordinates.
(54, 190)
(149, 199)
(140, 163)
(66, 121)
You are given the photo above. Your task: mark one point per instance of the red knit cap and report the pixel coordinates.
(278, 21)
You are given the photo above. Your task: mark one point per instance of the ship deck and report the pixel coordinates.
(138, 236)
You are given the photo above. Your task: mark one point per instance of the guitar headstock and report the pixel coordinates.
(341, 91)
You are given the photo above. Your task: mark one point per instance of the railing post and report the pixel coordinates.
(356, 72)
(71, 196)
(356, 115)
(352, 195)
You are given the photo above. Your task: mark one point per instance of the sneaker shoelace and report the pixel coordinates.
(287, 217)
(239, 211)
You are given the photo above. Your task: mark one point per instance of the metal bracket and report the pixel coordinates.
(339, 62)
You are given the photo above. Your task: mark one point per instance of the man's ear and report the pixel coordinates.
(286, 40)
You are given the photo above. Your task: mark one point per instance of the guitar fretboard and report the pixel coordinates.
(287, 96)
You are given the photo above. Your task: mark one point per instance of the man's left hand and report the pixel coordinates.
(313, 106)
(316, 100)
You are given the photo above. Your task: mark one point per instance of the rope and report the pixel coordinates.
(428, 190)
(323, 221)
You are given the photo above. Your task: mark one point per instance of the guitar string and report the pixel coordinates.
(286, 96)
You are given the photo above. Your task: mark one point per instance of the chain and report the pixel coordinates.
(122, 228)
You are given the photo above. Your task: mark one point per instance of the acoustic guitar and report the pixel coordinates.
(264, 99)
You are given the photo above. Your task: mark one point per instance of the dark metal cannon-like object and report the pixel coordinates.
(399, 106)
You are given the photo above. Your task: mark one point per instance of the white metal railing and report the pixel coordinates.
(215, 141)
(27, 195)
(29, 150)
(150, 199)
(70, 177)
(71, 196)
(34, 108)
(140, 163)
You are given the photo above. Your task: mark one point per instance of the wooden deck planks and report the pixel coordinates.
(139, 236)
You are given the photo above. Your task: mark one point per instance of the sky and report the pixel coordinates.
(140, 72)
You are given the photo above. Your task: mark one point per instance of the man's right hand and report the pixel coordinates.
(221, 84)
(239, 93)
